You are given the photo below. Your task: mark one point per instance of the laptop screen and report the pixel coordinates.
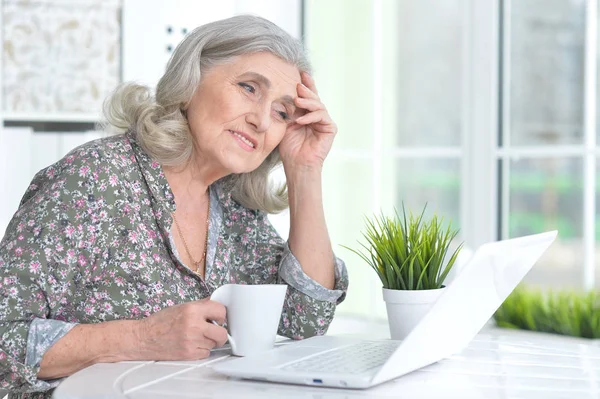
(467, 303)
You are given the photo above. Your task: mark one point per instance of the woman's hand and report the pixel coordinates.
(182, 332)
(308, 140)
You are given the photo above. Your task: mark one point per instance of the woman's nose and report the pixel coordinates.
(260, 117)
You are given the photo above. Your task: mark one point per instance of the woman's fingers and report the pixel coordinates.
(320, 116)
(216, 334)
(213, 310)
(309, 82)
(309, 104)
(305, 92)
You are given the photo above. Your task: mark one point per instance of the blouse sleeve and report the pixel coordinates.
(33, 254)
(309, 307)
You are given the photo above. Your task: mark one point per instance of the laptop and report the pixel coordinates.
(461, 311)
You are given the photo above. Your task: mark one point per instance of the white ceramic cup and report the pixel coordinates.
(253, 314)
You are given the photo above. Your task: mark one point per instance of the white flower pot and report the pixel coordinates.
(405, 308)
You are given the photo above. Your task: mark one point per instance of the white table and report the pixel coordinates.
(497, 364)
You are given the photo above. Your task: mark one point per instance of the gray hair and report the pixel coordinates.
(159, 122)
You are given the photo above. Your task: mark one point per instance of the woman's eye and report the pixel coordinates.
(283, 115)
(247, 87)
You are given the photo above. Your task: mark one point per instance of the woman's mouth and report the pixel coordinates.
(244, 141)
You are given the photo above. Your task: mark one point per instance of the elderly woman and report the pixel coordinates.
(116, 247)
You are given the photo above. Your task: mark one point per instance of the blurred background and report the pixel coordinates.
(485, 110)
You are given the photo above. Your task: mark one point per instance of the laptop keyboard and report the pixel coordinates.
(353, 359)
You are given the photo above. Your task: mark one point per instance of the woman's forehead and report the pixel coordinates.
(271, 67)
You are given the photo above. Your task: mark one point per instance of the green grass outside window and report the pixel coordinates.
(569, 313)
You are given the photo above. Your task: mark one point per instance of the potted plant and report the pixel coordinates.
(411, 256)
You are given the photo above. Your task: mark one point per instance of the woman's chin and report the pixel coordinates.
(239, 168)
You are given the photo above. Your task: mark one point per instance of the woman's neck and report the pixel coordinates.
(189, 182)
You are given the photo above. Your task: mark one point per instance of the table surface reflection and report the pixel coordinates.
(502, 364)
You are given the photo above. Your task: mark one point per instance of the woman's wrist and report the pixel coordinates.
(88, 344)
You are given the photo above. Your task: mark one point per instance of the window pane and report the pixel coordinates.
(340, 42)
(547, 39)
(597, 222)
(431, 182)
(347, 199)
(547, 194)
(423, 70)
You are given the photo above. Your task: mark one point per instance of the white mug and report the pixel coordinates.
(253, 314)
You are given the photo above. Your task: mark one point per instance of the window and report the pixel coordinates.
(393, 77)
(484, 110)
(546, 145)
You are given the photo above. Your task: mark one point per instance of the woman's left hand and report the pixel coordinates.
(308, 140)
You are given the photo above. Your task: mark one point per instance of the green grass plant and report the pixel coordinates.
(408, 252)
(572, 313)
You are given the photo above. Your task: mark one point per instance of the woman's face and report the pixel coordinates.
(241, 110)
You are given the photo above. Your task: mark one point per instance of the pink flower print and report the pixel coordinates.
(81, 260)
(170, 302)
(18, 251)
(59, 248)
(113, 180)
(120, 281)
(298, 308)
(245, 239)
(321, 321)
(34, 267)
(80, 203)
(133, 237)
(69, 231)
(30, 222)
(107, 306)
(20, 237)
(89, 310)
(13, 291)
(84, 171)
(156, 257)
(132, 256)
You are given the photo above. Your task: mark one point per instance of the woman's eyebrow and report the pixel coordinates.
(264, 81)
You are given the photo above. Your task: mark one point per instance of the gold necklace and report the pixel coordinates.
(197, 263)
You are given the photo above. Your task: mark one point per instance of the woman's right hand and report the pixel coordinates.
(182, 332)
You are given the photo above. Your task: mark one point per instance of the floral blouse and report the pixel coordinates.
(91, 242)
